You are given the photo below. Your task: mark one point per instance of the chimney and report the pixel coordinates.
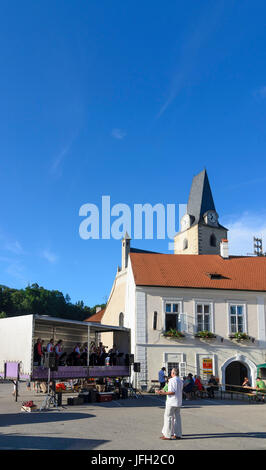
(125, 250)
(98, 309)
(224, 250)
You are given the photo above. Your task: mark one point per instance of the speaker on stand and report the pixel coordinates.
(129, 359)
(50, 362)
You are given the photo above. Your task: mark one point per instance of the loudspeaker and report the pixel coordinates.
(50, 361)
(129, 359)
(136, 367)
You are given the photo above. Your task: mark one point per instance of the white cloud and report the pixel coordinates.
(14, 247)
(118, 134)
(243, 229)
(59, 159)
(56, 167)
(49, 256)
(189, 51)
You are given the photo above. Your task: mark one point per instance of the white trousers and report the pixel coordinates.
(172, 422)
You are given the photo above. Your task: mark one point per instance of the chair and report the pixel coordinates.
(134, 392)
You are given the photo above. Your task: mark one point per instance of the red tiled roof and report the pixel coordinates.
(96, 317)
(199, 271)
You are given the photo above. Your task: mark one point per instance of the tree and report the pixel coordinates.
(35, 299)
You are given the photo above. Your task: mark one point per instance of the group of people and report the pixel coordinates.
(260, 389)
(191, 385)
(78, 356)
(98, 356)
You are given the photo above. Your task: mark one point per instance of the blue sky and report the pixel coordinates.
(126, 99)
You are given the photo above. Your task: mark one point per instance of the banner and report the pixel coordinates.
(207, 366)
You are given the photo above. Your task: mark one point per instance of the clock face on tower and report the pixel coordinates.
(211, 218)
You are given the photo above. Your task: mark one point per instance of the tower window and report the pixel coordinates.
(155, 320)
(213, 241)
(185, 244)
(121, 319)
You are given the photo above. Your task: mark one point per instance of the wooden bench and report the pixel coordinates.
(236, 393)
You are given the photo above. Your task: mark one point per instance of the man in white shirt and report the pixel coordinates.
(172, 420)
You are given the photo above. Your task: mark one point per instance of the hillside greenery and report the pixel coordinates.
(35, 299)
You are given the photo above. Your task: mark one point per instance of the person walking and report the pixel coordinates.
(172, 428)
(161, 377)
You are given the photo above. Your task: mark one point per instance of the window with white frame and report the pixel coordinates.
(180, 366)
(237, 318)
(172, 315)
(203, 317)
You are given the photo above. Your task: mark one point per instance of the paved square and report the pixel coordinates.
(129, 424)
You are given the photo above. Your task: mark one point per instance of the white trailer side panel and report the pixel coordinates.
(16, 341)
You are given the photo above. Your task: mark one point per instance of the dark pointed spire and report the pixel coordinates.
(200, 197)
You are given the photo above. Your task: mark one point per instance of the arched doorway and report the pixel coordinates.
(235, 373)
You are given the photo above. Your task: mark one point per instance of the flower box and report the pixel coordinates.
(173, 334)
(205, 335)
(239, 337)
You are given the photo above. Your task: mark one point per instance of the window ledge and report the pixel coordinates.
(240, 338)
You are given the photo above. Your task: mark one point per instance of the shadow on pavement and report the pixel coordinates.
(159, 402)
(132, 403)
(40, 417)
(229, 435)
(19, 442)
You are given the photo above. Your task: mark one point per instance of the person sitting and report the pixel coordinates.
(188, 387)
(260, 389)
(213, 383)
(246, 385)
(113, 353)
(200, 387)
(38, 352)
(77, 354)
(60, 355)
(101, 354)
(93, 358)
(50, 346)
(84, 354)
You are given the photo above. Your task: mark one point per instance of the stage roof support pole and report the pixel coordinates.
(88, 353)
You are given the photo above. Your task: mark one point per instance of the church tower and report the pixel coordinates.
(125, 250)
(201, 232)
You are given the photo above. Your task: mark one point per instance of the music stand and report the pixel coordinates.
(50, 397)
(118, 357)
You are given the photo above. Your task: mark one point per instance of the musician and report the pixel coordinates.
(77, 354)
(93, 354)
(101, 353)
(84, 354)
(113, 354)
(50, 346)
(38, 352)
(59, 351)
